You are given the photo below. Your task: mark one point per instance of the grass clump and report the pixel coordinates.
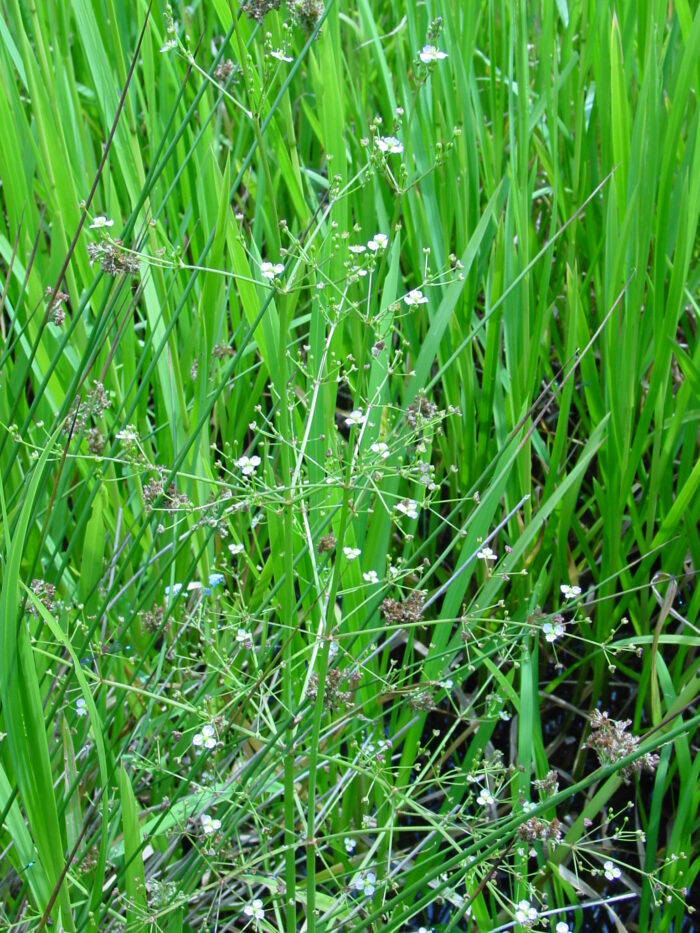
(349, 394)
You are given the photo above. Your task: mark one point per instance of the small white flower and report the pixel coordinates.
(255, 910)
(243, 637)
(486, 554)
(350, 844)
(357, 249)
(370, 576)
(101, 221)
(612, 872)
(415, 297)
(526, 913)
(270, 271)
(128, 435)
(570, 592)
(173, 590)
(447, 684)
(561, 927)
(170, 44)
(379, 447)
(206, 738)
(280, 56)
(430, 54)
(333, 649)
(365, 883)
(236, 549)
(378, 241)
(210, 825)
(81, 706)
(351, 552)
(408, 507)
(389, 144)
(528, 805)
(248, 465)
(553, 630)
(425, 930)
(356, 417)
(485, 799)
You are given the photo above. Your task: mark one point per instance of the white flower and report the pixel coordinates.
(408, 507)
(173, 590)
(81, 706)
(351, 552)
(570, 592)
(425, 930)
(380, 448)
(236, 549)
(356, 417)
(206, 738)
(378, 241)
(447, 684)
(243, 637)
(128, 435)
(280, 56)
(612, 872)
(415, 297)
(255, 910)
(270, 271)
(561, 927)
(357, 249)
(209, 825)
(350, 844)
(485, 799)
(486, 554)
(333, 649)
(365, 883)
(389, 144)
(430, 54)
(528, 805)
(553, 630)
(101, 221)
(525, 913)
(248, 465)
(170, 44)
(370, 576)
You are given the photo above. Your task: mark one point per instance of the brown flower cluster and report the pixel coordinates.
(610, 741)
(45, 592)
(410, 610)
(113, 258)
(536, 829)
(333, 696)
(421, 409)
(95, 403)
(256, 9)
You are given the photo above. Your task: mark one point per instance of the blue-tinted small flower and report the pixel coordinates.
(173, 590)
(365, 883)
(216, 579)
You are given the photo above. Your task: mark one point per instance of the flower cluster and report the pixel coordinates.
(113, 258)
(410, 610)
(610, 741)
(536, 829)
